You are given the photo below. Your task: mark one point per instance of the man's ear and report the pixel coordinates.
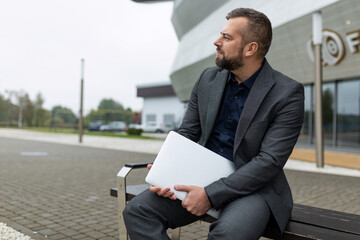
(251, 49)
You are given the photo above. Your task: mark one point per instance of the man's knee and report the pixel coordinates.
(220, 230)
(224, 230)
(245, 218)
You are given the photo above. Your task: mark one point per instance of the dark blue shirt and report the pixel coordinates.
(222, 136)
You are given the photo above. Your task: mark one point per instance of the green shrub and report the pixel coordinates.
(134, 131)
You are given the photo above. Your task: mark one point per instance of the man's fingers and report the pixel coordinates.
(165, 192)
(183, 188)
(154, 189)
(168, 194)
(149, 166)
(187, 207)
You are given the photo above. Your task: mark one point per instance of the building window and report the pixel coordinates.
(348, 115)
(306, 135)
(150, 118)
(341, 114)
(328, 100)
(169, 120)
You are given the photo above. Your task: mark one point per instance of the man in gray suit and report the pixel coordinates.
(250, 114)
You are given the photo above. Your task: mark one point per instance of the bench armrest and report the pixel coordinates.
(121, 193)
(137, 165)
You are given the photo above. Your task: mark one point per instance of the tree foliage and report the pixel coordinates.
(40, 114)
(8, 112)
(62, 116)
(110, 110)
(18, 109)
(110, 104)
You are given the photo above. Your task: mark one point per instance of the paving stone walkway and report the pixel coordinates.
(63, 193)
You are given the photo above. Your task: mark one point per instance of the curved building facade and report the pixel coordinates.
(198, 23)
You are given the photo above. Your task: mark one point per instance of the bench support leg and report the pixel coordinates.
(121, 185)
(175, 234)
(121, 197)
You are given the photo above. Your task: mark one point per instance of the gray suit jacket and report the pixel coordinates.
(265, 136)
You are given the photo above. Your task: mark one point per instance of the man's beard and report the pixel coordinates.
(231, 63)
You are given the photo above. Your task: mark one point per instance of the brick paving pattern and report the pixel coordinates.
(65, 194)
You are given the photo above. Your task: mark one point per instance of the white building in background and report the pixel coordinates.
(162, 109)
(198, 23)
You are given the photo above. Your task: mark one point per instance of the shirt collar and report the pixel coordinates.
(250, 81)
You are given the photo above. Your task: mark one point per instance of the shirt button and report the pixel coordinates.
(221, 150)
(228, 118)
(236, 97)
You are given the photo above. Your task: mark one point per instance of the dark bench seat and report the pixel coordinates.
(306, 222)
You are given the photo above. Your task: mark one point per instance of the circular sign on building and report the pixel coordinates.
(333, 50)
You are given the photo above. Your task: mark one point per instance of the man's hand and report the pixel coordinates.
(196, 200)
(161, 192)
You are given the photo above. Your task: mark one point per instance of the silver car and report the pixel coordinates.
(116, 126)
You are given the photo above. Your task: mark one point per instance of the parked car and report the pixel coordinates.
(116, 126)
(154, 127)
(95, 126)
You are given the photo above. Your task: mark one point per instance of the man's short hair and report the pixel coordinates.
(257, 30)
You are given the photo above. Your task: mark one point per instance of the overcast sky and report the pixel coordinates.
(124, 44)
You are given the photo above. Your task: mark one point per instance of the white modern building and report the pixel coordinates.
(198, 23)
(161, 109)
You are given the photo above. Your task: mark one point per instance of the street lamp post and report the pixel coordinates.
(81, 102)
(317, 41)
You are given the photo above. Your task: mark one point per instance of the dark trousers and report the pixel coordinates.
(148, 216)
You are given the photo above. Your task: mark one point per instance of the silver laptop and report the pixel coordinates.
(182, 161)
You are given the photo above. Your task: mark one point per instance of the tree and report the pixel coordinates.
(62, 116)
(2, 107)
(110, 110)
(24, 111)
(8, 110)
(21, 102)
(110, 104)
(28, 110)
(39, 112)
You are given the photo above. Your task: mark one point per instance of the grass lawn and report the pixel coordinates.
(86, 132)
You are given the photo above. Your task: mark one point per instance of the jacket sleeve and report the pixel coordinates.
(276, 146)
(191, 126)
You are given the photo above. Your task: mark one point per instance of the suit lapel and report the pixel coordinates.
(261, 87)
(217, 91)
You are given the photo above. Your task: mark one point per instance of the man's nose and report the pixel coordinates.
(217, 42)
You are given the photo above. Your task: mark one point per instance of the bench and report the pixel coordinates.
(306, 222)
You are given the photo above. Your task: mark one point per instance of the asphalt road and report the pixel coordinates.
(62, 191)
